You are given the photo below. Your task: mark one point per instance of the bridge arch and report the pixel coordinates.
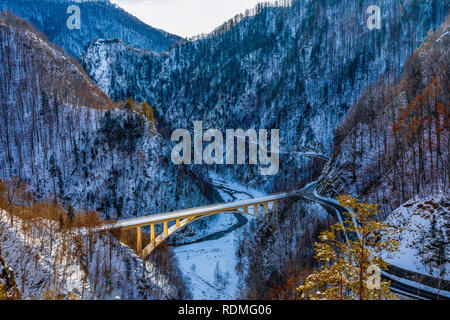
(158, 240)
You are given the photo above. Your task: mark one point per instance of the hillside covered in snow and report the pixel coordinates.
(392, 148)
(51, 261)
(425, 237)
(51, 113)
(67, 139)
(296, 68)
(393, 144)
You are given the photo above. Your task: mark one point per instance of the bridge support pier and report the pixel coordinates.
(139, 241)
(266, 210)
(255, 210)
(152, 234)
(166, 231)
(122, 236)
(275, 210)
(178, 223)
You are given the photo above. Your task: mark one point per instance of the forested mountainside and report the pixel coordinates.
(22, 47)
(99, 19)
(376, 156)
(57, 135)
(62, 141)
(392, 148)
(272, 262)
(394, 142)
(296, 68)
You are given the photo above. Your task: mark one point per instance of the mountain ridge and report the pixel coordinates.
(99, 19)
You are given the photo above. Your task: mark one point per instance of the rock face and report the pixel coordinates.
(296, 68)
(99, 19)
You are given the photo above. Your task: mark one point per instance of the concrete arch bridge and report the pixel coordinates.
(264, 208)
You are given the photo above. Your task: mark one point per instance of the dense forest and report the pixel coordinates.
(64, 143)
(391, 148)
(59, 138)
(296, 68)
(394, 142)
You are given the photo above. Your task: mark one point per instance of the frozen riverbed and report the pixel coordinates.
(210, 265)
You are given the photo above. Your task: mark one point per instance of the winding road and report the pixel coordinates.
(399, 287)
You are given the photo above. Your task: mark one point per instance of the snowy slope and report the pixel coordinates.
(42, 257)
(62, 151)
(379, 152)
(65, 138)
(416, 218)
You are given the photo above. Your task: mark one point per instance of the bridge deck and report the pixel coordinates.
(193, 212)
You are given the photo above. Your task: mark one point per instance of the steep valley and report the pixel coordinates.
(90, 131)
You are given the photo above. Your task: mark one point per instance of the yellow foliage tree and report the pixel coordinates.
(49, 295)
(149, 115)
(8, 285)
(148, 112)
(347, 266)
(3, 293)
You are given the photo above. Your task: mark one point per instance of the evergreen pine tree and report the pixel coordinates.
(433, 251)
(76, 152)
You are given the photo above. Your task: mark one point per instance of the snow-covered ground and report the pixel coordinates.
(71, 262)
(415, 218)
(200, 261)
